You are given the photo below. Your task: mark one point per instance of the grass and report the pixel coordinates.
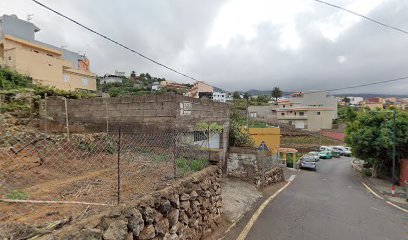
(160, 158)
(185, 166)
(17, 195)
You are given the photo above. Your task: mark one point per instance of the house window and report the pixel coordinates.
(66, 78)
(49, 64)
(9, 58)
(199, 136)
(85, 82)
(253, 114)
(301, 113)
(295, 113)
(290, 111)
(283, 114)
(291, 105)
(318, 113)
(290, 122)
(283, 106)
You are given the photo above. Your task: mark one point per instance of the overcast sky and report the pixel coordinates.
(236, 44)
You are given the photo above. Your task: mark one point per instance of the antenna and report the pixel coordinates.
(30, 17)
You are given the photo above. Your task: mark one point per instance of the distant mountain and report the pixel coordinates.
(254, 92)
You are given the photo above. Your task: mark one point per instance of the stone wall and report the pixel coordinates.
(248, 164)
(137, 113)
(189, 209)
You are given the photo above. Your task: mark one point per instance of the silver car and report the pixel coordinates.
(308, 162)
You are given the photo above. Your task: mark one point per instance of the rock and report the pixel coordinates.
(129, 236)
(185, 205)
(148, 214)
(173, 217)
(176, 227)
(116, 230)
(162, 227)
(183, 218)
(147, 233)
(193, 195)
(91, 234)
(165, 206)
(184, 197)
(136, 223)
(175, 201)
(170, 237)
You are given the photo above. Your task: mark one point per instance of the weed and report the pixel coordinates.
(185, 166)
(17, 195)
(160, 158)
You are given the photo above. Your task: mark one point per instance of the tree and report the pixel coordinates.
(247, 96)
(133, 75)
(262, 99)
(370, 136)
(276, 93)
(236, 95)
(346, 100)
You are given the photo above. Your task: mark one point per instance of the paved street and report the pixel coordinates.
(329, 204)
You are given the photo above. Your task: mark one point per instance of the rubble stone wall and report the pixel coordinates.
(244, 163)
(189, 209)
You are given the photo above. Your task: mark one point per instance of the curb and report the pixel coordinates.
(387, 201)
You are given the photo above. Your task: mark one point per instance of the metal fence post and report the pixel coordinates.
(107, 117)
(66, 117)
(118, 164)
(45, 113)
(174, 154)
(2, 123)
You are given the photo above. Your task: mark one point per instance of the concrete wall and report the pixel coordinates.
(263, 112)
(189, 209)
(138, 113)
(250, 165)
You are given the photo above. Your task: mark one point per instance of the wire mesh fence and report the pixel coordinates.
(97, 168)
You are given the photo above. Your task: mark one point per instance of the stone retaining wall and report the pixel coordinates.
(249, 165)
(189, 209)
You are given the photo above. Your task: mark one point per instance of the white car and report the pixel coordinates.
(314, 154)
(343, 151)
(325, 148)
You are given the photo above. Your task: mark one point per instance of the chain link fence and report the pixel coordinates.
(95, 168)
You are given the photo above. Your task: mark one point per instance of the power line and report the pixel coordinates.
(365, 17)
(361, 85)
(115, 42)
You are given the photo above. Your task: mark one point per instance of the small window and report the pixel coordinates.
(290, 122)
(49, 64)
(301, 113)
(66, 78)
(295, 113)
(36, 51)
(253, 114)
(318, 113)
(9, 58)
(283, 106)
(291, 105)
(290, 111)
(283, 114)
(85, 82)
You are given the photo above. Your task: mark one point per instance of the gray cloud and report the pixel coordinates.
(176, 33)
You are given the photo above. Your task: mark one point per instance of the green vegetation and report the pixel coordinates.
(238, 136)
(17, 195)
(185, 166)
(20, 96)
(160, 158)
(370, 136)
(276, 93)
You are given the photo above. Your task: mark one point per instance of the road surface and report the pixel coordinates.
(329, 204)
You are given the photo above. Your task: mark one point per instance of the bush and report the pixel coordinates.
(17, 195)
(185, 166)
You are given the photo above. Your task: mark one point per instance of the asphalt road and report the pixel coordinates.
(329, 204)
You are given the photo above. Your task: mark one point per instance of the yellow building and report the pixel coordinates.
(45, 64)
(270, 136)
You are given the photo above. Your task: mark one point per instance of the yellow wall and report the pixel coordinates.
(271, 137)
(44, 65)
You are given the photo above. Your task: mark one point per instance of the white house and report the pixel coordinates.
(220, 96)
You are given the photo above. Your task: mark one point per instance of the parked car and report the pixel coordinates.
(325, 154)
(325, 148)
(343, 151)
(308, 162)
(315, 155)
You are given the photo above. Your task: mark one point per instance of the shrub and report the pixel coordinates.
(17, 195)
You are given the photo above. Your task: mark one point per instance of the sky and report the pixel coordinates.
(298, 45)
